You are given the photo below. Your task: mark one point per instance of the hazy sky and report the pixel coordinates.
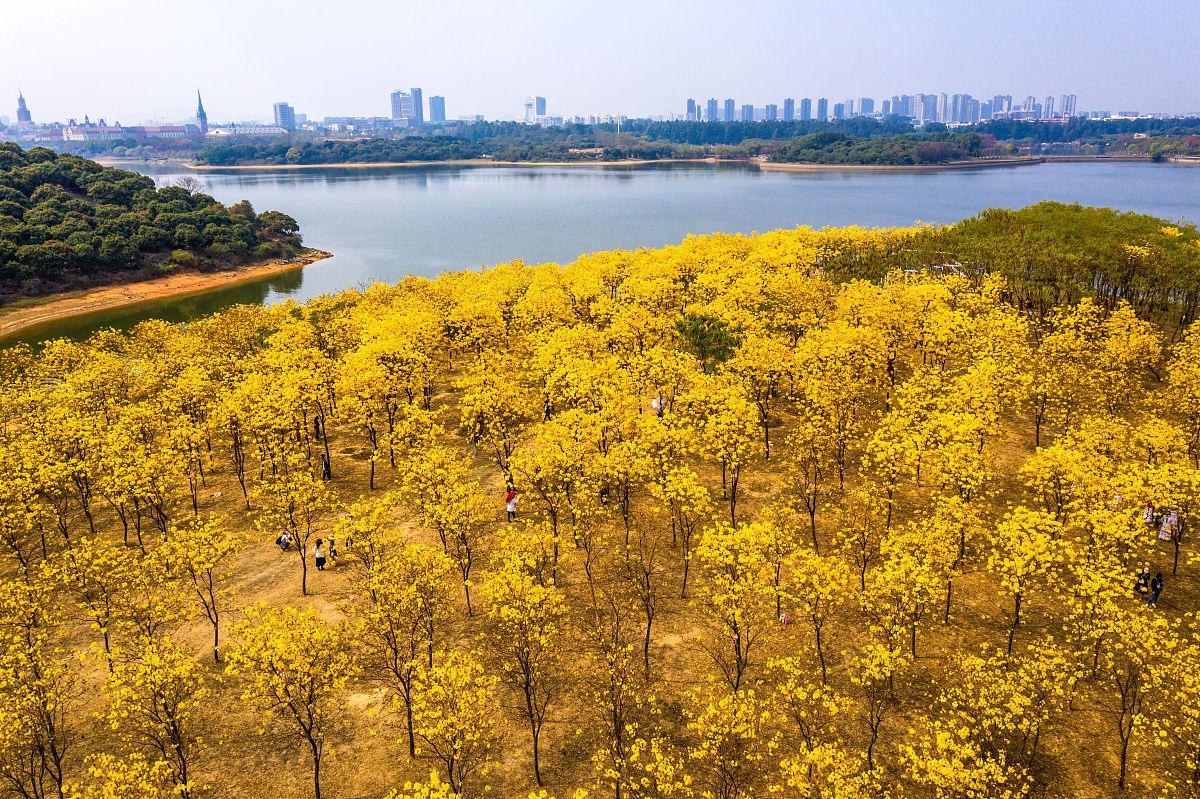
(131, 60)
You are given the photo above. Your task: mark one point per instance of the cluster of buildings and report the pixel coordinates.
(409, 110)
(955, 109)
(100, 131)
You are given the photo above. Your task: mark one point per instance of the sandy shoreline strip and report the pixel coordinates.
(458, 162)
(982, 163)
(17, 318)
(768, 165)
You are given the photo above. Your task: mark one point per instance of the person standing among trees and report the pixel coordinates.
(1156, 587)
(1142, 586)
(319, 555)
(510, 503)
(1169, 525)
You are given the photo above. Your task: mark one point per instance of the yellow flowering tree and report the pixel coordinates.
(156, 694)
(527, 620)
(455, 714)
(407, 593)
(293, 666)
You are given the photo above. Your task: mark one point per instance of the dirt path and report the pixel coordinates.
(50, 309)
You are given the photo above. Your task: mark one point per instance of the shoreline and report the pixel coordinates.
(455, 162)
(982, 163)
(56, 307)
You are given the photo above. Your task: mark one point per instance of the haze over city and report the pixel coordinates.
(639, 59)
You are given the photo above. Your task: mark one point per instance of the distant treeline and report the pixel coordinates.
(908, 149)
(513, 141)
(1085, 129)
(861, 140)
(432, 148)
(734, 133)
(66, 220)
(1054, 254)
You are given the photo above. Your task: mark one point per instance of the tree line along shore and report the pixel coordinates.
(860, 140)
(68, 223)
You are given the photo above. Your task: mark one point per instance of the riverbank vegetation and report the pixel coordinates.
(851, 513)
(889, 141)
(509, 142)
(67, 222)
(908, 149)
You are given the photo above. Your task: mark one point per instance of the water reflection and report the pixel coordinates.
(383, 224)
(175, 309)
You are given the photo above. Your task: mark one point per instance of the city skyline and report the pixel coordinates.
(611, 66)
(408, 109)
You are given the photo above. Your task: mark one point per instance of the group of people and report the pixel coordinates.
(1167, 523)
(322, 554)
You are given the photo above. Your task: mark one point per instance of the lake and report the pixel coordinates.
(385, 224)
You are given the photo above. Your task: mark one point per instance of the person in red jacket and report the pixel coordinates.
(510, 503)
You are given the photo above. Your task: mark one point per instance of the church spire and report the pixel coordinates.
(201, 116)
(23, 115)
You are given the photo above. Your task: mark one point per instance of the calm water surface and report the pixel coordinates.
(385, 224)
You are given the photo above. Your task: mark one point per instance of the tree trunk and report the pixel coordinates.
(1016, 620)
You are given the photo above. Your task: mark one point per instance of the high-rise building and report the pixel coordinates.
(943, 108)
(710, 110)
(418, 107)
(1030, 103)
(985, 110)
(730, 110)
(929, 104)
(23, 115)
(839, 110)
(848, 105)
(806, 109)
(925, 108)
(866, 106)
(1001, 104)
(691, 110)
(539, 106)
(1066, 106)
(1048, 108)
(201, 116)
(886, 108)
(789, 109)
(771, 113)
(402, 107)
(285, 116)
(747, 113)
(437, 108)
(823, 109)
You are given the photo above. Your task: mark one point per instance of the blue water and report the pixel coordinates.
(385, 224)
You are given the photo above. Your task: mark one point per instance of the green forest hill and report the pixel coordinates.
(67, 222)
